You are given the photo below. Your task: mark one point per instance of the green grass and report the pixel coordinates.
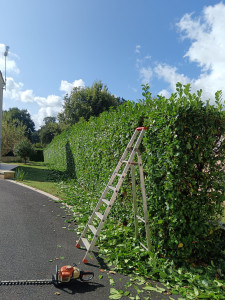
(223, 217)
(39, 176)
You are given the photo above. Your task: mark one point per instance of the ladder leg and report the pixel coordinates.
(134, 200)
(144, 200)
(85, 260)
(89, 222)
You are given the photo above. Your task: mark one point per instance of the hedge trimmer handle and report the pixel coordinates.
(86, 276)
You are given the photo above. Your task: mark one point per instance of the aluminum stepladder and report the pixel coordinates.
(106, 204)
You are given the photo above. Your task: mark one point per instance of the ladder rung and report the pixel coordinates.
(144, 246)
(105, 201)
(86, 243)
(129, 162)
(112, 188)
(140, 218)
(118, 174)
(93, 229)
(99, 215)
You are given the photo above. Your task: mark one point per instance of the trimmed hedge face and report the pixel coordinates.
(182, 158)
(93, 148)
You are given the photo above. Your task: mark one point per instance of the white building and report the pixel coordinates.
(2, 84)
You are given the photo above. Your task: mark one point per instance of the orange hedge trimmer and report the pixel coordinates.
(68, 273)
(64, 275)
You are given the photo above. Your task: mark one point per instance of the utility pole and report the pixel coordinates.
(6, 54)
(2, 87)
(2, 84)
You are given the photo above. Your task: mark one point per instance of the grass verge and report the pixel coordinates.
(39, 176)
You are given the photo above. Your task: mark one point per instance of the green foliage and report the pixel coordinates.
(22, 116)
(37, 155)
(49, 131)
(12, 132)
(183, 155)
(35, 137)
(23, 149)
(185, 178)
(87, 102)
(20, 174)
(122, 252)
(49, 120)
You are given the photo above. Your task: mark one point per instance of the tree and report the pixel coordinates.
(20, 115)
(24, 149)
(87, 102)
(12, 133)
(49, 130)
(49, 120)
(35, 137)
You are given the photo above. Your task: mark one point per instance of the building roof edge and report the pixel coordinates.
(1, 77)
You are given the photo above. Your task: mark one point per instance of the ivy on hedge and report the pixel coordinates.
(183, 154)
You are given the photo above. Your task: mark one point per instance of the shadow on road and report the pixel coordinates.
(78, 287)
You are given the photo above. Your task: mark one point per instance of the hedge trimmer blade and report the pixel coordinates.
(64, 275)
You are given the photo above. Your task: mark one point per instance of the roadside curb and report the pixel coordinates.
(36, 190)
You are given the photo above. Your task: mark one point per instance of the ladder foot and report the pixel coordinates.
(85, 261)
(78, 246)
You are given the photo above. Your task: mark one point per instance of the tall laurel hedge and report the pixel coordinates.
(183, 154)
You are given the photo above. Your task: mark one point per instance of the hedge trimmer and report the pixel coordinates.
(64, 275)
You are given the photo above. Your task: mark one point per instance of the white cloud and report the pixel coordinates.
(145, 74)
(68, 87)
(10, 63)
(48, 106)
(208, 37)
(45, 111)
(137, 49)
(164, 93)
(207, 50)
(13, 89)
(49, 101)
(170, 75)
(208, 47)
(27, 96)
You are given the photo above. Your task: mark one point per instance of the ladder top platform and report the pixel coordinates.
(141, 128)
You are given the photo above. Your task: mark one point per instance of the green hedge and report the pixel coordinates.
(37, 155)
(91, 150)
(185, 178)
(182, 164)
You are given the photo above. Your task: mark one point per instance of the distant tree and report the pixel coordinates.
(49, 120)
(12, 133)
(49, 130)
(23, 149)
(35, 137)
(87, 102)
(23, 116)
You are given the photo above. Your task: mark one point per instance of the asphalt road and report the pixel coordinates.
(7, 167)
(33, 239)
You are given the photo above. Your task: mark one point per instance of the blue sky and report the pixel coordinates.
(58, 44)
